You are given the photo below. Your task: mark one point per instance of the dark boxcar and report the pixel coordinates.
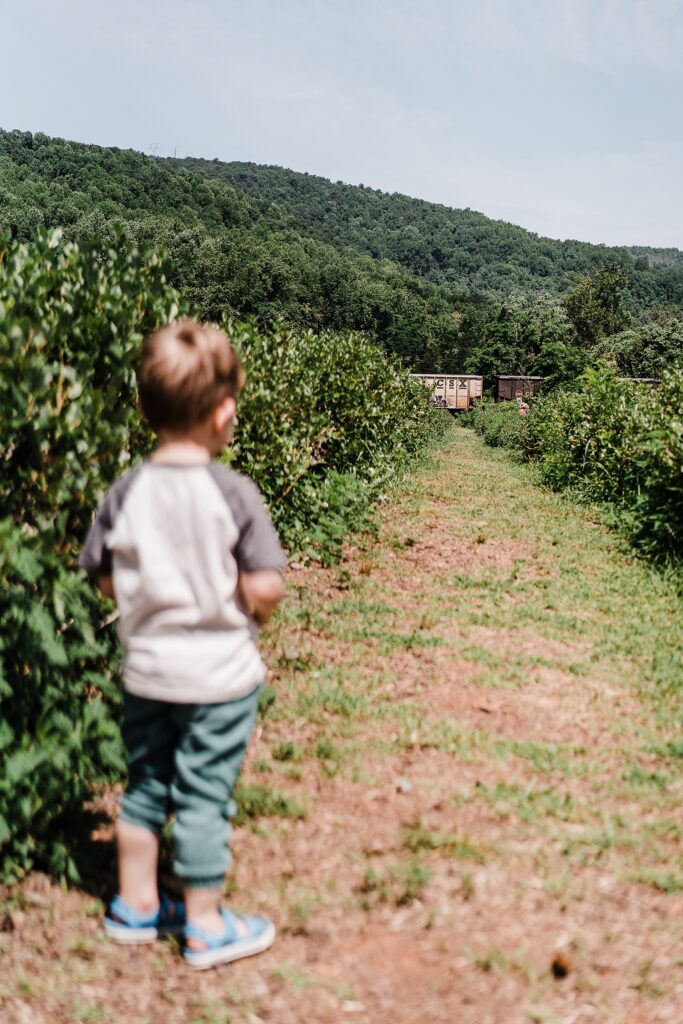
(508, 386)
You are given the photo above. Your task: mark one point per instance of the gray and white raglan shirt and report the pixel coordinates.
(175, 538)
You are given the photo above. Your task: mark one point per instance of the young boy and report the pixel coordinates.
(186, 548)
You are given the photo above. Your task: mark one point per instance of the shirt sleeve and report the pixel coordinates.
(258, 547)
(95, 557)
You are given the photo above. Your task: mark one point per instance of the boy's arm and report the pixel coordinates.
(258, 552)
(261, 592)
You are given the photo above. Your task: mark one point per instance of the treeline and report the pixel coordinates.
(445, 290)
(559, 338)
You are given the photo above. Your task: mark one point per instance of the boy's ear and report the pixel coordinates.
(223, 413)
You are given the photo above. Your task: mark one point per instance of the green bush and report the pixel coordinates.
(583, 437)
(499, 424)
(325, 421)
(656, 497)
(70, 324)
(611, 441)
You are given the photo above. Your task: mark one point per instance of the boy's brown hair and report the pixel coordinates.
(186, 370)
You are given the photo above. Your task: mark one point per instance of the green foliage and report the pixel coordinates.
(326, 421)
(559, 362)
(611, 441)
(646, 349)
(344, 503)
(596, 307)
(457, 249)
(578, 435)
(69, 328)
(499, 423)
(655, 494)
(521, 337)
(229, 255)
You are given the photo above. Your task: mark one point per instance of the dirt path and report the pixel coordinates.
(471, 773)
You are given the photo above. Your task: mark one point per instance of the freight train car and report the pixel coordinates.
(508, 385)
(456, 392)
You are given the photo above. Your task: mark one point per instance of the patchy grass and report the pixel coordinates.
(417, 838)
(256, 801)
(527, 803)
(399, 884)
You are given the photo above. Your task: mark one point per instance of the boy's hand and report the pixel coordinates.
(106, 585)
(261, 593)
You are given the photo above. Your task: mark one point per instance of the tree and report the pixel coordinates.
(596, 307)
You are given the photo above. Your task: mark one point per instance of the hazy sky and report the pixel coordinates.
(564, 116)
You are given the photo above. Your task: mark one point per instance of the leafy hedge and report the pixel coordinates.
(325, 421)
(611, 441)
(322, 419)
(499, 424)
(69, 323)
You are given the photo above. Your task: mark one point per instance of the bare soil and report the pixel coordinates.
(493, 829)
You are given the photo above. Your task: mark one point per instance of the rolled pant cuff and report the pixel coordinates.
(206, 882)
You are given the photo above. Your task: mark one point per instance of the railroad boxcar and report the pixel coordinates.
(454, 391)
(507, 386)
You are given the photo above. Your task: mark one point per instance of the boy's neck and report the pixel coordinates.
(181, 451)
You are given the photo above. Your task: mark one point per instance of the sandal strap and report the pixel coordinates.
(210, 939)
(169, 911)
(121, 911)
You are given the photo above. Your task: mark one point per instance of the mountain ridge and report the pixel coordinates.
(670, 252)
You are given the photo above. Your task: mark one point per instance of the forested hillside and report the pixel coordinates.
(461, 249)
(229, 254)
(446, 290)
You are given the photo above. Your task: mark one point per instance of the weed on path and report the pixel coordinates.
(463, 798)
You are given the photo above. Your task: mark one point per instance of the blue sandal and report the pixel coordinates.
(255, 935)
(127, 926)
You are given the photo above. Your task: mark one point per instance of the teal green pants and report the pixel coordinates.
(184, 759)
